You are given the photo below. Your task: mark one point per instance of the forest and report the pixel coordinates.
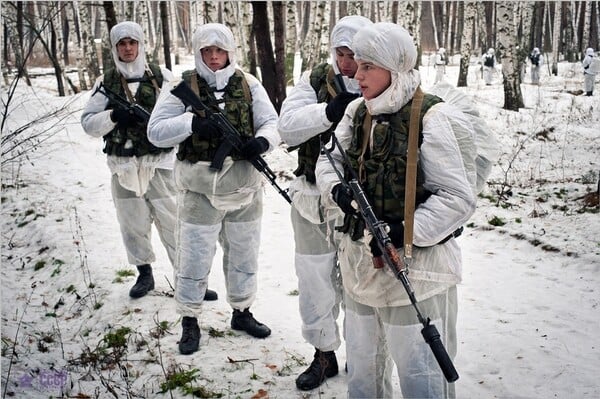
(73, 36)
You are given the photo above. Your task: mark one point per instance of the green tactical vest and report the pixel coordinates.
(114, 141)
(383, 179)
(321, 79)
(238, 111)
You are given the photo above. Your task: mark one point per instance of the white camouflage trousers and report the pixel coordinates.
(199, 227)
(136, 215)
(378, 338)
(319, 283)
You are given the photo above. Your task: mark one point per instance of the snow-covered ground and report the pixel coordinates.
(528, 306)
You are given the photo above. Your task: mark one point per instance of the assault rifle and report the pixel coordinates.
(136, 110)
(391, 257)
(233, 140)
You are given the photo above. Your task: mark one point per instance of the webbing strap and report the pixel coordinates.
(410, 190)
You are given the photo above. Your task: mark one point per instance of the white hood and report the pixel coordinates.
(214, 35)
(341, 36)
(134, 31)
(391, 47)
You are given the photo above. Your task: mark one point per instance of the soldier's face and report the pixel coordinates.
(345, 61)
(127, 49)
(214, 57)
(373, 79)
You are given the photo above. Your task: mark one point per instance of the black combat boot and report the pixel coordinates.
(589, 93)
(190, 336)
(246, 322)
(144, 282)
(323, 366)
(210, 295)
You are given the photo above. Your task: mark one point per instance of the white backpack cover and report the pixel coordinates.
(487, 148)
(594, 67)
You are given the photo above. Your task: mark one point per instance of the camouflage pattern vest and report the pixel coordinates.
(238, 111)
(115, 141)
(382, 171)
(321, 80)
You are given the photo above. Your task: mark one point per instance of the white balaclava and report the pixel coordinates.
(442, 50)
(134, 31)
(341, 36)
(214, 35)
(391, 47)
(491, 51)
(536, 51)
(589, 51)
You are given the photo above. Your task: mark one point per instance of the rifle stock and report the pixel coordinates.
(233, 140)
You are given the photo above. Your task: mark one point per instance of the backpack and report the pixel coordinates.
(487, 148)
(488, 61)
(535, 59)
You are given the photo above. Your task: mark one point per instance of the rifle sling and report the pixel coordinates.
(411, 172)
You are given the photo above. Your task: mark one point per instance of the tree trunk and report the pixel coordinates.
(279, 34)
(507, 36)
(15, 34)
(470, 10)
(110, 15)
(291, 38)
(260, 24)
(556, 37)
(88, 48)
(434, 23)
(164, 20)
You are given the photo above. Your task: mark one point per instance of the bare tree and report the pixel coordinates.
(280, 31)
(164, 20)
(266, 58)
(507, 48)
(88, 47)
(556, 37)
(470, 10)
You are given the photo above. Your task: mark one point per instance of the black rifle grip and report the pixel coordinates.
(432, 337)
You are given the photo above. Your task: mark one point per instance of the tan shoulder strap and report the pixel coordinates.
(245, 86)
(410, 190)
(366, 126)
(330, 88)
(194, 83)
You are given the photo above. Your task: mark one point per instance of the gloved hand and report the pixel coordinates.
(123, 117)
(254, 147)
(205, 129)
(343, 197)
(336, 107)
(396, 234)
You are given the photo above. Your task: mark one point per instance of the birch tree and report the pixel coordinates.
(506, 38)
(556, 37)
(470, 10)
(587, 17)
(88, 46)
(292, 44)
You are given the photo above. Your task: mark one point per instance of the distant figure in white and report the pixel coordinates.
(440, 64)
(591, 66)
(489, 62)
(537, 59)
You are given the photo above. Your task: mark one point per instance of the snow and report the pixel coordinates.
(528, 304)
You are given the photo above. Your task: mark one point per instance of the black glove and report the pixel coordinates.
(336, 107)
(123, 117)
(396, 234)
(205, 129)
(343, 197)
(254, 147)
